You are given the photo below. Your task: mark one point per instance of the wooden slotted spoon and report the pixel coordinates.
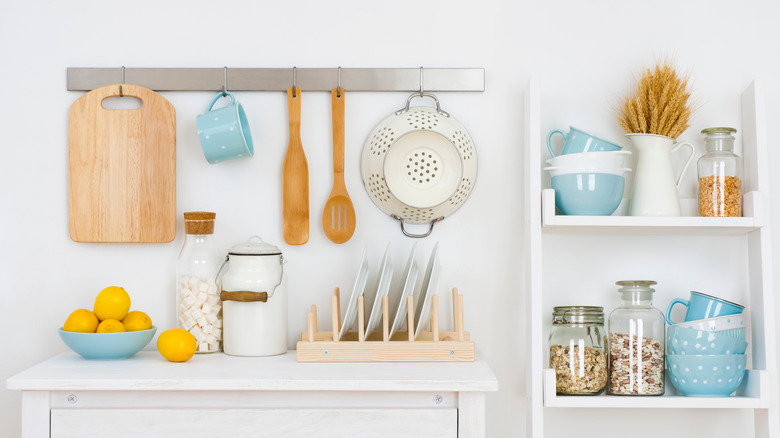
(295, 178)
(338, 217)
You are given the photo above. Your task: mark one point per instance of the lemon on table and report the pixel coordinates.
(81, 320)
(110, 326)
(137, 320)
(112, 302)
(176, 345)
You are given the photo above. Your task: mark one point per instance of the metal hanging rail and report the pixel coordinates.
(279, 79)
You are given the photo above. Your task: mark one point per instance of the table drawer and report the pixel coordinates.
(288, 423)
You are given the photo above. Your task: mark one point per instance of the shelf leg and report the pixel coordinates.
(334, 315)
(385, 319)
(361, 319)
(314, 312)
(454, 309)
(310, 320)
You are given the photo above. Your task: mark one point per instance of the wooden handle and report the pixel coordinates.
(337, 104)
(244, 296)
(294, 107)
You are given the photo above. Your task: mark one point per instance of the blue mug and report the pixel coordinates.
(577, 141)
(224, 132)
(703, 306)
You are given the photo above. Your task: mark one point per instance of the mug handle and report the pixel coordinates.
(549, 136)
(669, 309)
(219, 96)
(687, 163)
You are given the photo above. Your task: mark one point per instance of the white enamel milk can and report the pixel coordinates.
(254, 300)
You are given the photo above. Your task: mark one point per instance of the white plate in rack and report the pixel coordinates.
(385, 277)
(410, 280)
(357, 290)
(430, 283)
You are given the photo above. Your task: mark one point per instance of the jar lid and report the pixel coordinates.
(254, 246)
(718, 130)
(199, 222)
(578, 315)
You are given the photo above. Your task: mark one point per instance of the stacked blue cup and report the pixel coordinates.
(588, 176)
(706, 352)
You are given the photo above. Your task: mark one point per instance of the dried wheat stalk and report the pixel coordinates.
(659, 104)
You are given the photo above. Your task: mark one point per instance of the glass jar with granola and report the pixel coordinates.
(720, 175)
(636, 342)
(578, 350)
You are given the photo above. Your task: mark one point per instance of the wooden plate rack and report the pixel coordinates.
(430, 346)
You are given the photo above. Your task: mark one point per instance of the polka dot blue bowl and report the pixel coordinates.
(106, 346)
(696, 375)
(684, 340)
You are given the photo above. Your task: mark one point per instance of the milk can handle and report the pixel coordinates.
(282, 261)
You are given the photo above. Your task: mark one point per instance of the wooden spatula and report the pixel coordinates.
(295, 178)
(338, 218)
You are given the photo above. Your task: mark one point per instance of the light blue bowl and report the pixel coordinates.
(684, 340)
(716, 375)
(593, 194)
(106, 346)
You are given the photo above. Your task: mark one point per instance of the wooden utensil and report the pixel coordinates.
(122, 168)
(338, 217)
(295, 178)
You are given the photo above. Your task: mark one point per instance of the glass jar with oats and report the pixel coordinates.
(720, 175)
(636, 342)
(578, 350)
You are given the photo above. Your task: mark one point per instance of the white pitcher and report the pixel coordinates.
(656, 190)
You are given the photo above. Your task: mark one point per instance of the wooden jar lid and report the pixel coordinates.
(199, 222)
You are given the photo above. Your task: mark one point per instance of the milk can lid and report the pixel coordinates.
(255, 246)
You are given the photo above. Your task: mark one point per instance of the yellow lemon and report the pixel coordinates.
(81, 320)
(177, 345)
(110, 326)
(137, 320)
(112, 302)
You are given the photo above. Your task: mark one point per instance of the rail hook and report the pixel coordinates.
(224, 83)
(338, 87)
(422, 91)
(295, 81)
(121, 94)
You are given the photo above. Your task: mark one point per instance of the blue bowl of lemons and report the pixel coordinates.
(107, 346)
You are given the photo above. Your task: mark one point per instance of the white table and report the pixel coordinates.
(219, 395)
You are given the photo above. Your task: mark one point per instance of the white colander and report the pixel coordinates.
(419, 165)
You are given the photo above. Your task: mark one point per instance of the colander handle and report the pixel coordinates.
(416, 236)
(435, 99)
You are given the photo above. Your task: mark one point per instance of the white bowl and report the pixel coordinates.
(613, 170)
(596, 158)
(725, 322)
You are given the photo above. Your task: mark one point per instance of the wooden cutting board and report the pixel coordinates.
(122, 166)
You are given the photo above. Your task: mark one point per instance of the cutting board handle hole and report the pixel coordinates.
(122, 103)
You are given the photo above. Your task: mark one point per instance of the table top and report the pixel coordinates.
(147, 370)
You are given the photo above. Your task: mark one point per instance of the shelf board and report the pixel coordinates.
(690, 225)
(752, 394)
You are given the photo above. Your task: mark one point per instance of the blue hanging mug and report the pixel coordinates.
(224, 132)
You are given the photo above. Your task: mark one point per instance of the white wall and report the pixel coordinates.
(583, 52)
